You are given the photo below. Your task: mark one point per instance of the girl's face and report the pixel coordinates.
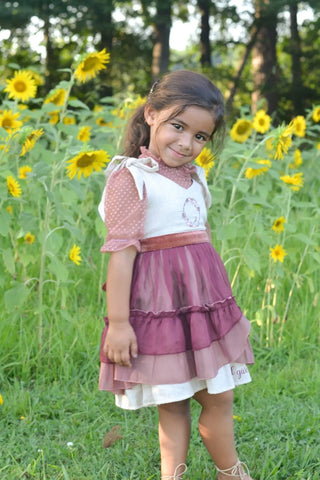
(179, 140)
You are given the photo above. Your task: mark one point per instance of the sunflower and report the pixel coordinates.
(278, 225)
(29, 238)
(68, 120)
(295, 180)
(261, 122)
(23, 171)
(31, 140)
(241, 130)
(54, 117)
(256, 172)
(9, 209)
(38, 79)
(284, 142)
(75, 254)
(205, 160)
(8, 120)
(84, 134)
(22, 86)
(316, 114)
(57, 96)
(297, 159)
(91, 65)
(129, 107)
(102, 123)
(278, 253)
(13, 186)
(299, 126)
(85, 162)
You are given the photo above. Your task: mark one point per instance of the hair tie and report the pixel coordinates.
(154, 86)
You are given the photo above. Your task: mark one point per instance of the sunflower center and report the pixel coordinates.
(20, 86)
(6, 123)
(85, 161)
(89, 64)
(242, 129)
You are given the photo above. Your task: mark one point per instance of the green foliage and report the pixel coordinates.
(52, 418)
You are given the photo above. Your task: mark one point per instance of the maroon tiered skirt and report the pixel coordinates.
(189, 328)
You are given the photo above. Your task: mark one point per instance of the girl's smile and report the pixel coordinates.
(179, 139)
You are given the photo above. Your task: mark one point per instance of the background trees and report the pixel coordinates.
(255, 50)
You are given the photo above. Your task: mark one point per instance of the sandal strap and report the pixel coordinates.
(240, 469)
(176, 476)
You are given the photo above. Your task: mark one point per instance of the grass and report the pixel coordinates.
(53, 418)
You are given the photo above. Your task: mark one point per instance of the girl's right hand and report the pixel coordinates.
(120, 344)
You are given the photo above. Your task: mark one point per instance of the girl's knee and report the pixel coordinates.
(181, 407)
(215, 400)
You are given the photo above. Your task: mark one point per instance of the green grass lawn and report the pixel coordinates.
(53, 418)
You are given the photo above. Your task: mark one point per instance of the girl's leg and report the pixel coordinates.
(174, 436)
(216, 430)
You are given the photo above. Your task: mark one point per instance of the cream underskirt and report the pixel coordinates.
(141, 395)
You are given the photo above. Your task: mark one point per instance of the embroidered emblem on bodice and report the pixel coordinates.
(191, 212)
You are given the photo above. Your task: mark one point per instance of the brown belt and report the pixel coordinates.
(173, 240)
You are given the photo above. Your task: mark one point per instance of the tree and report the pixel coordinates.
(161, 24)
(295, 50)
(264, 59)
(205, 45)
(242, 63)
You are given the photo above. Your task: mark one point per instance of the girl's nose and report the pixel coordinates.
(185, 142)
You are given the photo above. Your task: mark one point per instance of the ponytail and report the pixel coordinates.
(137, 134)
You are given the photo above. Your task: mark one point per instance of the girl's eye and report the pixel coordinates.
(201, 137)
(177, 126)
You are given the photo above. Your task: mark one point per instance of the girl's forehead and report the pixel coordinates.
(193, 116)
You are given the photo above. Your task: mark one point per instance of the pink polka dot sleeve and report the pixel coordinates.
(124, 212)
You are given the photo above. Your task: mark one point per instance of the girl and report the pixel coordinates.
(174, 331)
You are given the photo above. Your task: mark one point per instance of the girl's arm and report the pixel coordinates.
(120, 343)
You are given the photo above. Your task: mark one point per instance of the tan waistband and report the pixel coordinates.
(173, 240)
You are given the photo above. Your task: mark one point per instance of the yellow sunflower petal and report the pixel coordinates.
(13, 186)
(75, 254)
(91, 65)
(85, 162)
(261, 122)
(241, 130)
(21, 87)
(278, 253)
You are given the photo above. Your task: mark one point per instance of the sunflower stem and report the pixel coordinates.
(47, 223)
(294, 282)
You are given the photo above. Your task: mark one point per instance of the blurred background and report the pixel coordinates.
(263, 53)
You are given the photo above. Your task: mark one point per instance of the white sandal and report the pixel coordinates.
(239, 470)
(175, 476)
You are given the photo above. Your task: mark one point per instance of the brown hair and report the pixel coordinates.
(183, 89)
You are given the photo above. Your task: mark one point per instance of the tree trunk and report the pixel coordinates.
(161, 49)
(205, 46)
(264, 59)
(235, 83)
(104, 10)
(49, 60)
(295, 47)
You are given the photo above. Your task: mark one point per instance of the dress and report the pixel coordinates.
(191, 333)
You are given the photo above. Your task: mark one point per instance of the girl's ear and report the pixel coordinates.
(149, 115)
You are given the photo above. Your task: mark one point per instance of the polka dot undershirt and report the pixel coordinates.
(124, 211)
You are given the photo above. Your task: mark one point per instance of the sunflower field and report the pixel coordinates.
(265, 224)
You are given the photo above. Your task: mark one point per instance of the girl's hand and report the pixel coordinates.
(120, 344)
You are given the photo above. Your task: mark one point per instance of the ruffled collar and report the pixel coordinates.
(181, 175)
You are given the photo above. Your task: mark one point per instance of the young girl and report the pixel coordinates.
(174, 331)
